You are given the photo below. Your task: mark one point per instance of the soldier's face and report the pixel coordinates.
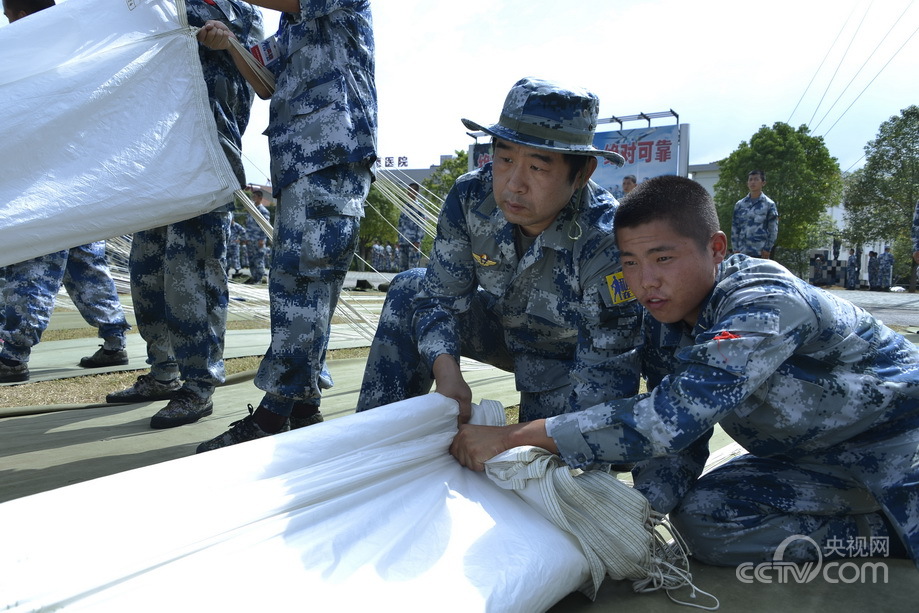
(531, 185)
(628, 185)
(755, 184)
(669, 273)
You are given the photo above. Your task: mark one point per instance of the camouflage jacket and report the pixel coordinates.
(228, 92)
(755, 225)
(567, 316)
(916, 228)
(409, 230)
(785, 368)
(324, 109)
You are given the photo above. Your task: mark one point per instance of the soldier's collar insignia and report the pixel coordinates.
(483, 259)
(618, 289)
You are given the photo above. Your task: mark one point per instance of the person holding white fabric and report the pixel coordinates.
(322, 132)
(178, 272)
(30, 287)
(824, 397)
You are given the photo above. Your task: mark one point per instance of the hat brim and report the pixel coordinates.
(499, 131)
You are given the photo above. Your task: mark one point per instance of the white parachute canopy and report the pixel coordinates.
(107, 127)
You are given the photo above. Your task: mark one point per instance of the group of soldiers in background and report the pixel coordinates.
(248, 244)
(880, 270)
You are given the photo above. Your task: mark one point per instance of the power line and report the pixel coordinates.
(865, 63)
(841, 60)
(872, 80)
(822, 62)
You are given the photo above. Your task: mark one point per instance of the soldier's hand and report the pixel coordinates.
(215, 35)
(449, 382)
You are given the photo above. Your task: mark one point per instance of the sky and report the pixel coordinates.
(726, 67)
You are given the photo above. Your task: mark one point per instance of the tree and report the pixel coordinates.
(802, 178)
(881, 196)
(380, 219)
(437, 186)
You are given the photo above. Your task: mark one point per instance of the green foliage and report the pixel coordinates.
(442, 179)
(801, 176)
(881, 197)
(380, 219)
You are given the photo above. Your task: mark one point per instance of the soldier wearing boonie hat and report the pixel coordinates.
(524, 273)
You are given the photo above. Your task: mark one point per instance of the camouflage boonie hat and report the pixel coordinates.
(546, 115)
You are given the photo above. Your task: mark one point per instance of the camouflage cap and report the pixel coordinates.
(546, 115)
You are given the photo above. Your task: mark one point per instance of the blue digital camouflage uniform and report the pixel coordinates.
(852, 272)
(558, 316)
(874, 272)
(30, 291)
(823, 397)
(237, 234)
(916, 228)
(322, 139)
(378, 257)
(178, 272)
(254, 236)
(410, 237)
(755, 225)
(885, 269)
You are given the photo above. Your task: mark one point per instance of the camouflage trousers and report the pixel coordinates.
(256, 257)
(316, 231)
(31, 287)
(233, 255)
(396, 371)
(179, 287)
(409, 256)
(864, 491)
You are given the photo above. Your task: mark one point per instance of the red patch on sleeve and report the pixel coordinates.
(723, 336)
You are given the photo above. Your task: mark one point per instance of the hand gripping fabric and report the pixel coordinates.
(619, 534)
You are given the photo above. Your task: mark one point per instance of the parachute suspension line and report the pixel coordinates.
(841, 60)
(822, 62)
(865, 63)
(897, 52)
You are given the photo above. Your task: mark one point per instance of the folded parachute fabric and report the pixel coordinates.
(619, 534)
(363, 512)
(107, 127)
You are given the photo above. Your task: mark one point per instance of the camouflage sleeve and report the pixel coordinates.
(448, 284)
(664, 481)
(314, 9)
(735, 226)
(772, 227)
(745, 345)
(916, 228)
(606, 359)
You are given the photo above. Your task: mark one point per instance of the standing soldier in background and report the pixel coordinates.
(628, 184)
(755, 225)
(30, 288)
(178, 272)
(916, 234)
(874, 271)
(885, 260)
(255, 241)
(852, 270)
(322, 129)
(237, 234)
(410, 231)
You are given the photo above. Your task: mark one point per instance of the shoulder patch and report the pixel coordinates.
(618, 290)
(483, 259)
